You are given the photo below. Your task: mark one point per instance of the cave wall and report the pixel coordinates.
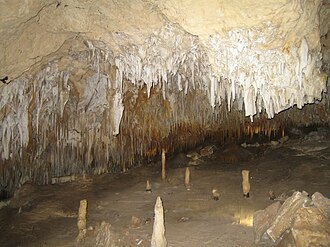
(103, 87)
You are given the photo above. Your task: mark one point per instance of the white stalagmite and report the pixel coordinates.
(158, 235)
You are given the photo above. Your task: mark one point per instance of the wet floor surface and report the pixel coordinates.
(47, 215)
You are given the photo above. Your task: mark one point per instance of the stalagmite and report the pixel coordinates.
(246, 183)
(163, 164)
(158, 235)
(148, 187)
(82, 221)
(187, 178)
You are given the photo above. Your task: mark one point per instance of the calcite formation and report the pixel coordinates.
(187, 178)
(256, 48)
(82, 220)
(158, 238)
(246, 183)
(95, 87)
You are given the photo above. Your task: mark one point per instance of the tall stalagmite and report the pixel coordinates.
(158, 238)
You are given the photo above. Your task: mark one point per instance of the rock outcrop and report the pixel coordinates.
(300, 221)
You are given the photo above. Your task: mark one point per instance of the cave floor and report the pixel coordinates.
(47, 215)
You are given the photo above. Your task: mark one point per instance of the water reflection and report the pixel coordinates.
(244, 216)
(237, 213)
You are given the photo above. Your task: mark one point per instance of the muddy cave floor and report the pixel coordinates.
(47, 215)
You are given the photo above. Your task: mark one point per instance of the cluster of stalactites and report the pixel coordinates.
(175, 60)
(259, 79)
(274, 79)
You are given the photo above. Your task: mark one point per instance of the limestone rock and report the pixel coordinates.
(286, 214)
(300, 221)
(322, 203)
(262, 220)
(193, 155)
(310, 228)
(206, 151)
